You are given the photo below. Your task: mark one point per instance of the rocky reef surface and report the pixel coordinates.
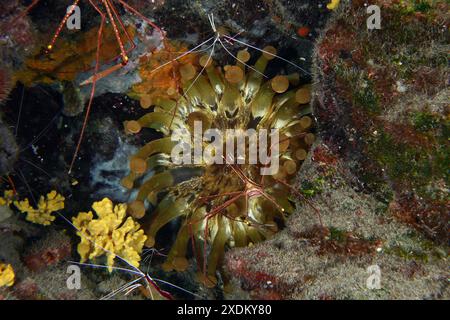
(374, 189)
(379, 175)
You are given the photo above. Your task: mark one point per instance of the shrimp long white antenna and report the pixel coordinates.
(211, 22)
(20, 112)
(100, 266)
(149, 253)
(135, 270)
(131, 288)
(126, 286)
(141, 275)
(203, 68)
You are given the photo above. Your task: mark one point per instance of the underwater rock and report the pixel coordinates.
(376, 176)
(73, 100)
(5, 213)
(5, 84)
(106, 173)
(53, 248)
(105, 149)
(258, 19)
(232, 101)
(51, 284)
(17, 34)
(310, 261)
(26, 290)
(8, 149)
(13, 237)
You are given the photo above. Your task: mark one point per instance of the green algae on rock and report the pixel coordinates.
(383, 99)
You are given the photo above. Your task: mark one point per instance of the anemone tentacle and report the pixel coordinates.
(221, 205)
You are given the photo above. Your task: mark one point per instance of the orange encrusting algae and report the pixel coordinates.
(68, 58)
(164, 81)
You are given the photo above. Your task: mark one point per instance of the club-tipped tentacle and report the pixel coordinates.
(227, 203)
(176, 259)
(169, 209)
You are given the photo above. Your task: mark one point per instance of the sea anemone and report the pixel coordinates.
(229, 204)
(5, 84)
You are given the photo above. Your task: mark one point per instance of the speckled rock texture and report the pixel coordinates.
(378, 177)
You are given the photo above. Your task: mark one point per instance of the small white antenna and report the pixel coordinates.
(211, 22)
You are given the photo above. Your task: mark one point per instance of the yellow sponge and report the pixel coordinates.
(7, 275)
(46, 206)
(111, 234)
